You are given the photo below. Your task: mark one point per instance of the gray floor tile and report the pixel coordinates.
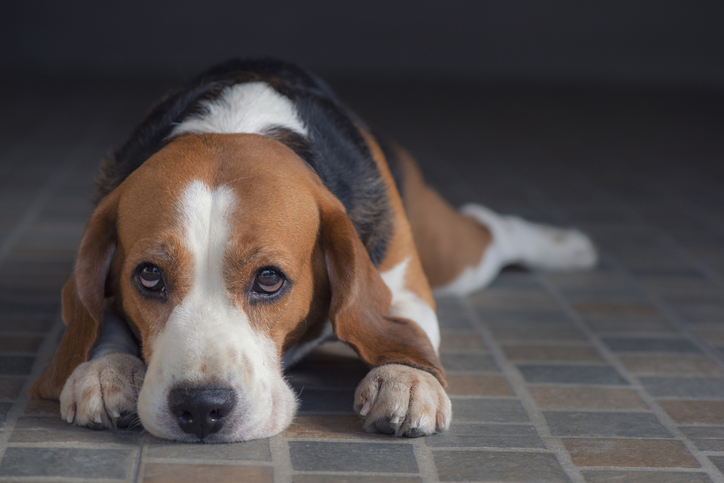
(16, 365)
(327, 373)
(4, 408)
(705, 438)
(66, 462)
(525, 318)
(718, 462)
(498, 466)
(10, 387)
(570, 374)
(54, 429)
(257, 450)
(622, 323)
(354, 479)
(487, 435)
(644, 477)
(605, 424)
(363, 457)
(684, 387)
(708, 444)
(708, 432)
(322, 401)
(623, 344)
(468, 363)
(488, 410)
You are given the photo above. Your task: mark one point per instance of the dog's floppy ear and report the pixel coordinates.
(82, 299)
(361, 301)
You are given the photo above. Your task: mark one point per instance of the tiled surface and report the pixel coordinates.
(609, 375)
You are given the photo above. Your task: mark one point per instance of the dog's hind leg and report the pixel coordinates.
(462, 251)
(517, 241)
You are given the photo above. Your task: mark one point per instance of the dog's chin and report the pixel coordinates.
(258, 419)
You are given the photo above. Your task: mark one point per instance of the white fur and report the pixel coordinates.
(515, 240)
(250, 108)
(407, 304)
(208, 340)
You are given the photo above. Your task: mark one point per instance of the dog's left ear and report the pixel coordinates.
(360, 301)
(82, 299)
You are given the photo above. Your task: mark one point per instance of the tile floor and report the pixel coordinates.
(616, 374)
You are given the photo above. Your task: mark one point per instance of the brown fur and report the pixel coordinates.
(361, 301)
(402, 246)
(447, 241)
(298, 221)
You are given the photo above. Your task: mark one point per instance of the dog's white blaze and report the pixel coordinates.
(208, 340)
(244, 108)
(407, 304)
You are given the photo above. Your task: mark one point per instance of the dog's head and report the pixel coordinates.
(220, 252)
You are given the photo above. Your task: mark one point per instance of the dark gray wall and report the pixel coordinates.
(602, 40)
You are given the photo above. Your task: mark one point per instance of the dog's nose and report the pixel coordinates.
(201, 410)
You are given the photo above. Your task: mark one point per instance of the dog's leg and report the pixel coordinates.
(103, 391)
(462, 251)
(517, 241)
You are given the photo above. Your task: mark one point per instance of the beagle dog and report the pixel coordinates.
(249, 218)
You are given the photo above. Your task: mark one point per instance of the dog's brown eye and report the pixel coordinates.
(151, 278)
(268, 281)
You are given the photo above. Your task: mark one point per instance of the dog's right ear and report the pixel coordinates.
(82, 299)
(360, 304)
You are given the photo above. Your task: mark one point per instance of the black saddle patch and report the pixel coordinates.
(335, 148)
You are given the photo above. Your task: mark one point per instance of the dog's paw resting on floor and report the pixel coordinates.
(403, 401)
(249, 218)
(103, 392)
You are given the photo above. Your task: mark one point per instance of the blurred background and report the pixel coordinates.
(493, 97)
(645, 41)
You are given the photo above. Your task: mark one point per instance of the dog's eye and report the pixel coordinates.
(151, 278)
(268, 281)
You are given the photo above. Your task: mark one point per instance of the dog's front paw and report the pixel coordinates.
(102, 393)
(401, 400)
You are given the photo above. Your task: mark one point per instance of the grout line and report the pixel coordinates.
(281, 458)
(516, 381)
(136, 473)
(425, 461)
(207, 461)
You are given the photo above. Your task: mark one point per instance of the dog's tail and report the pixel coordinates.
(517, 241)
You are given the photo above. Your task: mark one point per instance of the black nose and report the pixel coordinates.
(201, 410)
